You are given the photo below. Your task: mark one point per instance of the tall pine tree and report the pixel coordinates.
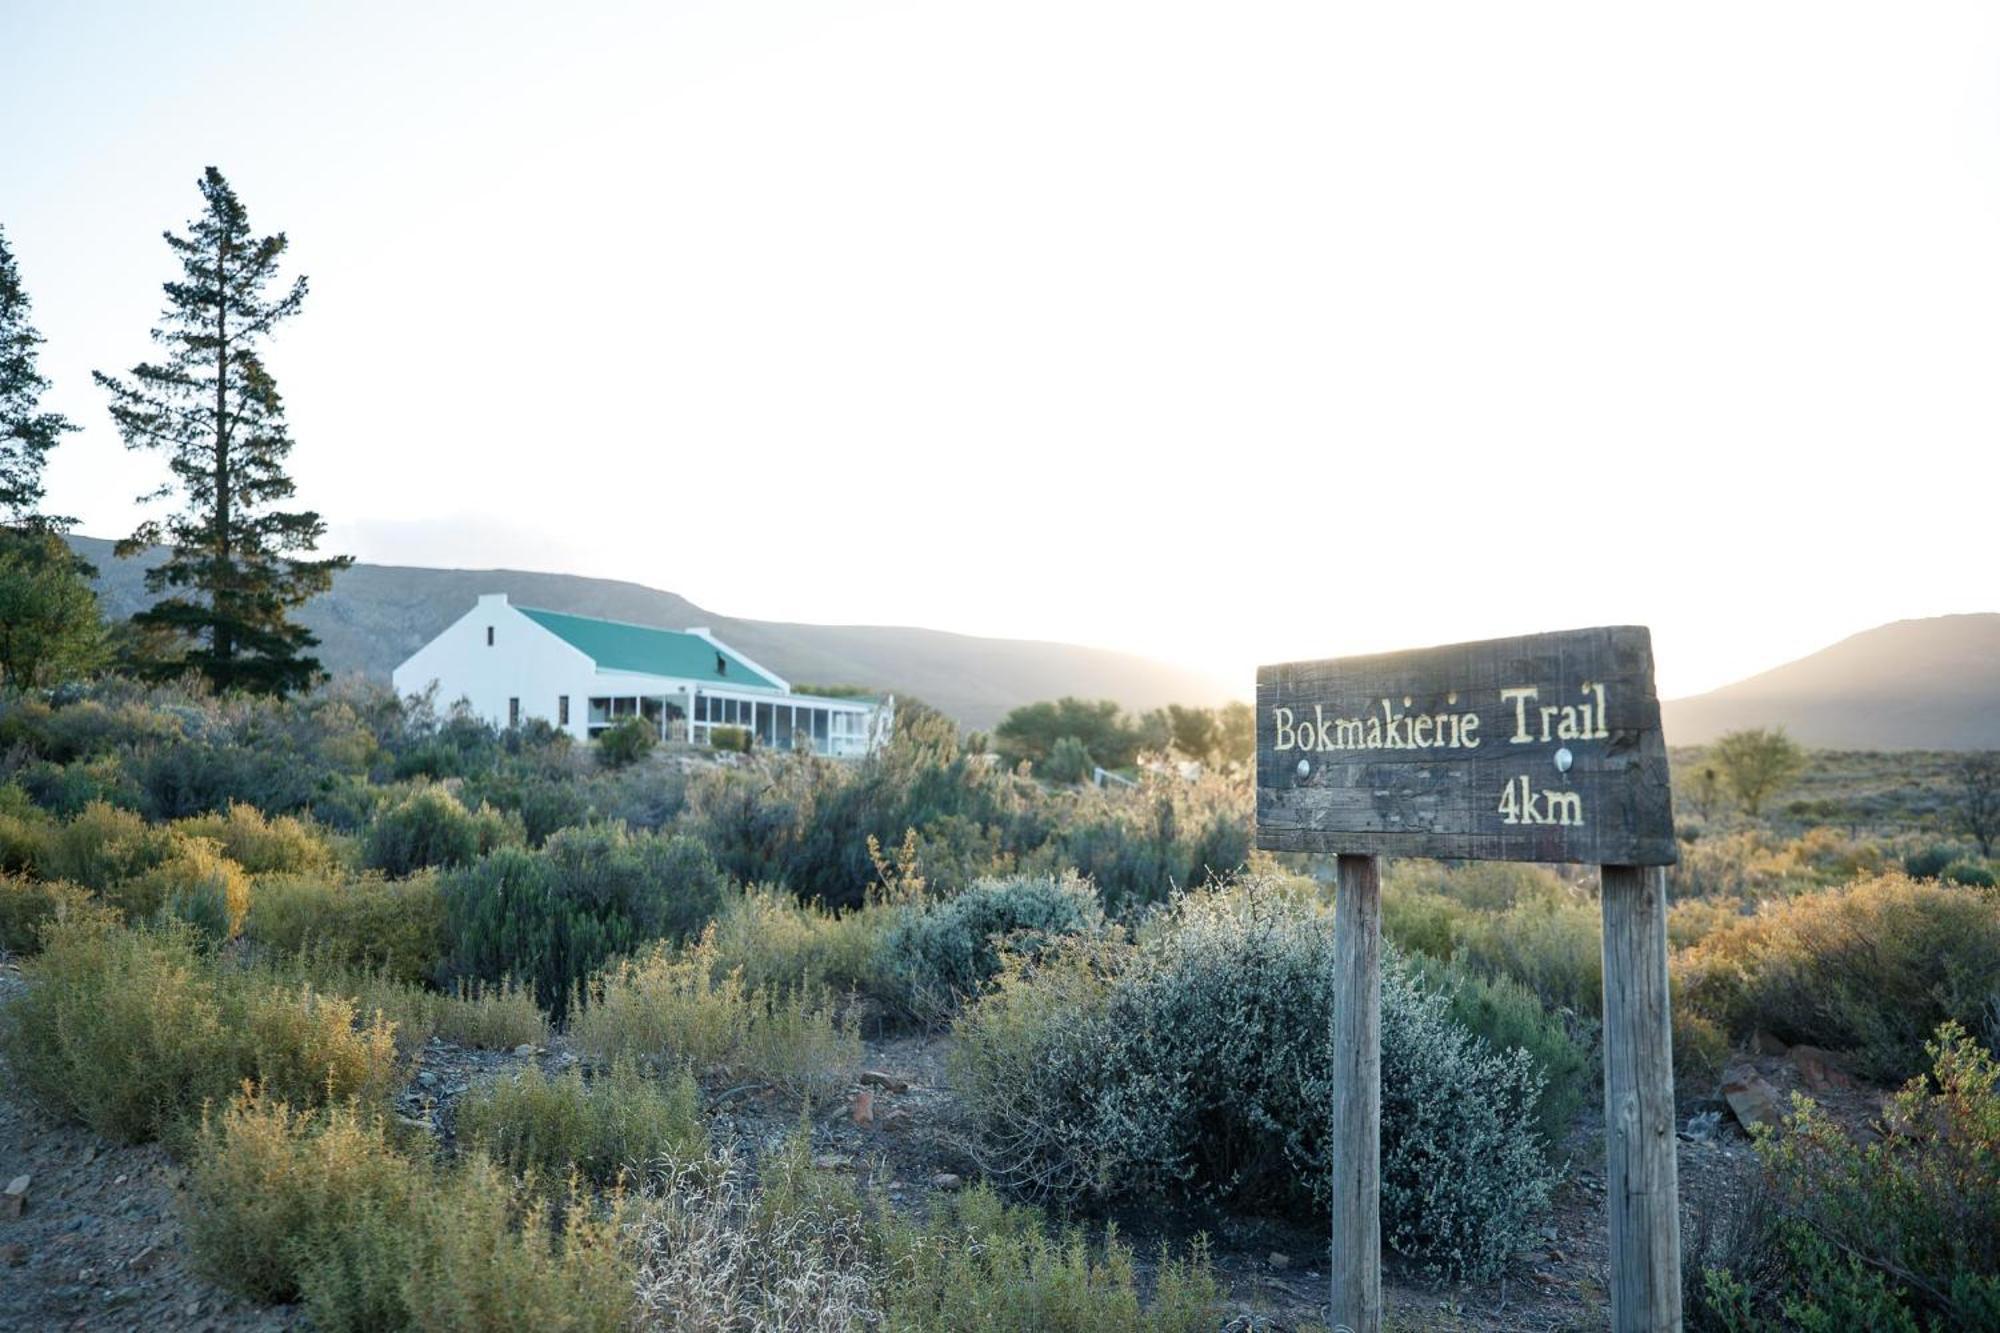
(234, 566)
(26, 433)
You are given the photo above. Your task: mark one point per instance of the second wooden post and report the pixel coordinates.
(1357, 1098)
(1641, 1174)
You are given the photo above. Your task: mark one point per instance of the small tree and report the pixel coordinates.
(1031, 731)
(1069, 761)
(1756, 763)
(50, 629)
(1236, 734)
(233, 568)
(1194, 730)
(1979, 797)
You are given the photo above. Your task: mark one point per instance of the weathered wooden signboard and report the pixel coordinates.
(1541, 748)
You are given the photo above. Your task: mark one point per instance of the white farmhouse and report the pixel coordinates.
(512, 663)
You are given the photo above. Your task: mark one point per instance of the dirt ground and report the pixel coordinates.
(99, 1245)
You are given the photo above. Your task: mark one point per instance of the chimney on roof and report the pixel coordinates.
(721, 665)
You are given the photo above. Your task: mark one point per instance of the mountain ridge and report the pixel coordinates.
(377, 615)
(1931, 683)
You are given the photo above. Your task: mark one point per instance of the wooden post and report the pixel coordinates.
(1641, 1174)
(1357, 1097)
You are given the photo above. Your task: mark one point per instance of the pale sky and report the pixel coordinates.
(1221, 333)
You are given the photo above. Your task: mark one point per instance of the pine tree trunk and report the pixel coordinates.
(219, 636)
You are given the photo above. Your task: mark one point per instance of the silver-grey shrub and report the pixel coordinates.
(941, 953)
(1196, 1064)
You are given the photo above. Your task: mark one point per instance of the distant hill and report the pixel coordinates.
(1912, 685)
(377, 615)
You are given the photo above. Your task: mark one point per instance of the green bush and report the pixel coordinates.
(626, 742)
(25, 832)
(1929, 862)
(104, 846)
(121, 1030)
(26, 904)
(729, 738)
(979, 1265)
(1069, 761)
(554, 917)
(682, 1009)
(323, 1208)
(1508, 1017)
(494, 1256)
(1196, 1064)
(429, 827)
(281, 844)
(1896, 1231)
(618, 1123)
(939, 954)
(271, 1191)
(1970, 873)
(196, 884)
(778, 943)
(497, 1016)
(130, 1032)
(1871, 968)
(394, 926)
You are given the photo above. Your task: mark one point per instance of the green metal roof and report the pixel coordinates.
(616, 646)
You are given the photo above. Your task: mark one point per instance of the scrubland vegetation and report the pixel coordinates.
(241, 921)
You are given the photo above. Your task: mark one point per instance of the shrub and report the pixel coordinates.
(104, 846)
(390, 926)
(322, 1207)
(121, 1030)
(618, 1122)
(1069, 761)
(553, 918)
(25, 904)
(305, 1047)
(718, 1254)
(980, 1265)
(730, 738)
(937, 955)
(1901, 1231)
(1196, 1064)
(625, 742)
(778, 943)
(262, 846)
(429, 827)
(131, 1031)
(271, 1192)
(1970, 873)
(499, 1016)
(196, 884)
(493, 1256)
(798, 1252)
(1508, 1017)
(1929, 862)
(678, 1009)
(1873, 968)
(25, 832)
(1555, 948)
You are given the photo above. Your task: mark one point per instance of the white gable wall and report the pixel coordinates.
(525, 662)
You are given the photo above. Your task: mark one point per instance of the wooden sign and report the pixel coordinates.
(1541, 748)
